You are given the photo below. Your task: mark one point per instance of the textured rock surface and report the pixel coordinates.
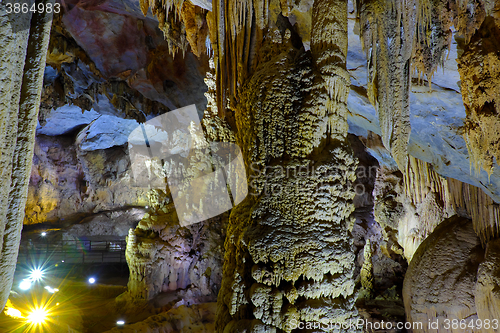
(440, 280)
(68, 183)
(107, 224)
(410, 207)
(282, 80)
(436, 117)
(136, 52)
(24, 39)
(163, 256)
(289, 257)
(81, 164)
(380, 265)
(486, 293)
(479, 67)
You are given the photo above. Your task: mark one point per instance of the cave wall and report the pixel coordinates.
(98, 86)
(286, 82)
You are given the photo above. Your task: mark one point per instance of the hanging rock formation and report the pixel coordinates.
(387, 29)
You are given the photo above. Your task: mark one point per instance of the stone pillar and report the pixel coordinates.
(289, 260)
(24, 41)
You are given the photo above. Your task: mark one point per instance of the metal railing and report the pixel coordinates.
(73, 251)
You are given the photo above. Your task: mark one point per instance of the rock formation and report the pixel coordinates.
(25, 39)
(479, 70)
(370, 156)
(440, 280)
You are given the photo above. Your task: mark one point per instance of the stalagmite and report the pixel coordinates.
(440, 280)
(479, 68)
(289, 257)
(23, 62)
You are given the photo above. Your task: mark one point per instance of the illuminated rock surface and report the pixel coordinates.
(389, 152)
(441, 278)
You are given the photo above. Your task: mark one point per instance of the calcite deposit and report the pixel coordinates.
(24, 39)
(368, 133)
(440, 280)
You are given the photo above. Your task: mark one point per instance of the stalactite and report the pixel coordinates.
(22, 59)
(468, 15)
(434, 37)
(420, 179)
(182, 24)
(193, 18)
(238, 27)
(472, 202)
(388, 33)
(455, 197)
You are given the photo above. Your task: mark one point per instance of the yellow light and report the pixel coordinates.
(38, 316)
(14, 313)
(11, 311)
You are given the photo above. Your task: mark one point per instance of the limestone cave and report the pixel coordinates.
(235, 166)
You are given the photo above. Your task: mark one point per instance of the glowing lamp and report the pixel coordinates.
(36, 274)
(38, 316)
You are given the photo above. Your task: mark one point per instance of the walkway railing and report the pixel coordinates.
(73, 251)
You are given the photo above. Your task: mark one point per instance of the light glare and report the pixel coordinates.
(37, 316)
(91, 280)
(25, 285)
(120, 322)
(44, 234)
(36, 274)
(14, 313)
(51, 290)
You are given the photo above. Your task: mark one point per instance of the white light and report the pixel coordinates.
(51, 290)
(36, 274)
(146, 207)
(91, 280)
(25, 284)
(37, 316)
(120, 322)
(44, 234)
(62, 260)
